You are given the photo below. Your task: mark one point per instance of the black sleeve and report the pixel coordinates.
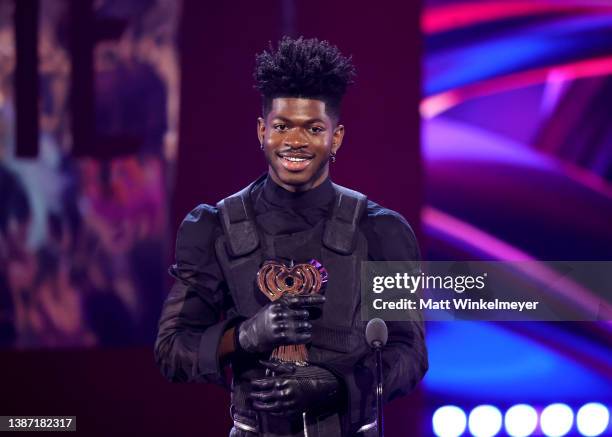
(405, 355)
(191, 325)
(405, 362)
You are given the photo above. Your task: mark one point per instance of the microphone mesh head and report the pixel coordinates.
(376, 330)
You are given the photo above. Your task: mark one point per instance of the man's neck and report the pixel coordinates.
(318, 196)
(299, 188)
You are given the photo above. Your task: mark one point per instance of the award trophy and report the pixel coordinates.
(275, 279)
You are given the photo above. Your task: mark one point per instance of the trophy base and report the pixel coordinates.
(293, 354)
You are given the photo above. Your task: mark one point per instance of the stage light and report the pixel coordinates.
(485, 421)
(592, 419)
(521, 420)
(556, 420)
(449, 421)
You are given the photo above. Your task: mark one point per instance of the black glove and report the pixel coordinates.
(293, 389)
(282, 322)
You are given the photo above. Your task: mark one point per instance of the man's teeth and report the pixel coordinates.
(292, 159)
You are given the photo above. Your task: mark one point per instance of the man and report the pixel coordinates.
(215, 313)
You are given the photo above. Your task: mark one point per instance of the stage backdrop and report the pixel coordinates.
(518, 166)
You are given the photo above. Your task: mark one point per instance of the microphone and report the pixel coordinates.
(376, 333)
(376, 336)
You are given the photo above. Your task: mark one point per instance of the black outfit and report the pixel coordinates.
(215, 278)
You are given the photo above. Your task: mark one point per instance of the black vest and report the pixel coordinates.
(336, 242)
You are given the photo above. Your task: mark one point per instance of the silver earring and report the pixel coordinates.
(332, 156)
(261, 146)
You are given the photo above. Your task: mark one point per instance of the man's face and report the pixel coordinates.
(298, 137)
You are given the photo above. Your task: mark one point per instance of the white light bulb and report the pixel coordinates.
(485, 421)
(556, 420)
(521, 420)
(592, 419)
(449, 421)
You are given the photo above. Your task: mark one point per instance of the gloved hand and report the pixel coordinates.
(293, 389)
(284, 321)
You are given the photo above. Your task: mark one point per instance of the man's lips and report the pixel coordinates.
(295, 162)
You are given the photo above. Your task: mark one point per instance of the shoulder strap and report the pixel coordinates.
(341, 227)
(237, 222)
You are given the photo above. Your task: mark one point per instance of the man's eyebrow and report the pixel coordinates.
(315, 120)
(308, 121)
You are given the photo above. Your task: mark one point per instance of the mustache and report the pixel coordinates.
(295, 154)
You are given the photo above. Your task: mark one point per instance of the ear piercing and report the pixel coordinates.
(332, 156)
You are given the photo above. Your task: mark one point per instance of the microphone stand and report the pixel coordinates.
(379, 387)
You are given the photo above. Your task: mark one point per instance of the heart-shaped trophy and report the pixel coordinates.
(275, 279)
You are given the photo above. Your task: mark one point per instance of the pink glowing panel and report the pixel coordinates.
(454, 16)
(436, 104)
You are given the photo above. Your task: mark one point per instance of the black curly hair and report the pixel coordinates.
(306, 68)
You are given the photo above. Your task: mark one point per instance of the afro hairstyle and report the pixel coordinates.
(306, 68)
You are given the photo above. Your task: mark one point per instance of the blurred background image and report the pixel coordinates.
(83, 222)
(488, 124)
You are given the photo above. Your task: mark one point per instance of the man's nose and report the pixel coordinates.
(296, 138)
